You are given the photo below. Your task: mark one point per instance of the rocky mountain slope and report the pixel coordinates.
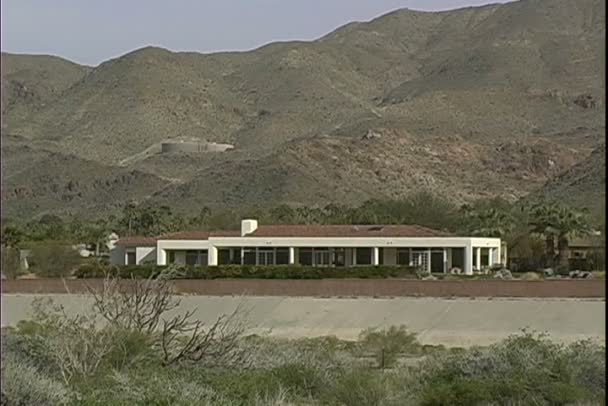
(475, 102)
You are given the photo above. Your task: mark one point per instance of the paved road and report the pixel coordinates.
(451, 322)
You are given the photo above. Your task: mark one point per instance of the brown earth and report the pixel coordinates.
(487, 101)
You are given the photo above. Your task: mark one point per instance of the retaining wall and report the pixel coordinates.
(343, 287)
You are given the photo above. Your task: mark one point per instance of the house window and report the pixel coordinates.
(266, 257)
(339, 257)
(403, 256)
(364, 256)
(249, 256)
(322, 257)
(170, 257)
(306, 256)
(131, 258)
(223, 256)
(282, 256)
(196, 257)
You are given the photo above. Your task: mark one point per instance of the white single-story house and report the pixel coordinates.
(314, 245)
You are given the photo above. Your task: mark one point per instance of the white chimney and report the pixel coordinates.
(248, 226)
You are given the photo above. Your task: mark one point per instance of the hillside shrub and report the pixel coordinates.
(91, 270)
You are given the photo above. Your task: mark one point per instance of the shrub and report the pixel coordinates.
(523, 369)
(530, 276)
(247, 271)
(53, 259)
(387, 344)
(357, 387)
(11, 263)
(23, 384)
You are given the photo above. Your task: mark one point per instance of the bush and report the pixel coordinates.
(357, 387)
(530, 276)
(11, 263)
(387, 344)
(523, 369)
(23, 384)
(53, 259)
(91, 270)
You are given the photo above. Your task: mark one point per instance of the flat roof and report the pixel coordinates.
(356, 231)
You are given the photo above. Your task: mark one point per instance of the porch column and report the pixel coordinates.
(490, 256)
(242, 255)
(375, 256)
(468, 260)
(292, 255)
(450, 263)
(478, 258)
(428, 260)
(161, 257)
(445, 260)
(354, 254)
(212, 256)
(231, 255)
(257, 256)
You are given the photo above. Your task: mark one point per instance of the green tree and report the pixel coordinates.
(488, 222)
(557, 224)
(12, 236)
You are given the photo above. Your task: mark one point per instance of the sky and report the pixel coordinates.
(92, 31)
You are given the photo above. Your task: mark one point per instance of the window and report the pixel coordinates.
(223, 256)
(364, 256)
(306, 256)
(282, 256)
(194, 257)
(322, 257)
(249, 256)
(131, 259)
(339, 257)
(403, 256)
(266, 257)
(191, 257)
(420, 259)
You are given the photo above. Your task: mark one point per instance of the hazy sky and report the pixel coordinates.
(91, 31)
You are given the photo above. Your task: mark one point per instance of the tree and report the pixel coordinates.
(542, 221)
(569, 223)
(11, 239)
(12, 236)
(488, 222)
(557, 223)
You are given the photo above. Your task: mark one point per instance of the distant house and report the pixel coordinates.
(314, 245)
(585, 247)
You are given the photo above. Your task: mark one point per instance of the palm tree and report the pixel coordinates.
(559, 224)
(489, 222)
(542, 220)
(11, 236)
(569, 223)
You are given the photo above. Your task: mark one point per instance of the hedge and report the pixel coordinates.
(249, 271)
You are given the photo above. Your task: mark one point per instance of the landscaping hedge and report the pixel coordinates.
(249, 271)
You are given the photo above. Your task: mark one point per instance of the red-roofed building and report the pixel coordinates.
(317, 245)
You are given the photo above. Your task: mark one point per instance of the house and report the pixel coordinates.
(314, 245)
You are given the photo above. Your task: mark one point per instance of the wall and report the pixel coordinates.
(117, 255)
(145, 255)
(344, 287)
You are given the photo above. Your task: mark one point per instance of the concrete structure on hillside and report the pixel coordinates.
(315, 245)
(193, 147)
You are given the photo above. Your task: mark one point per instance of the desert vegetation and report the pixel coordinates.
(537, 232)
(134, 346)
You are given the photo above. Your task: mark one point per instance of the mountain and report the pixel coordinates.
(472, 103)
(582, 185)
